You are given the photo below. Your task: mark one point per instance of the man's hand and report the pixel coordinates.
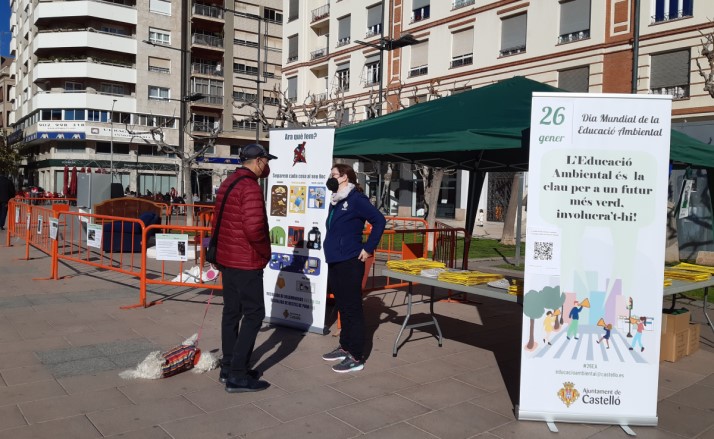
(363, 256)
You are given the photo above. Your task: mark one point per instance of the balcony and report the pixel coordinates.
(319, 97)
(245, 125)
(208, 100)
(239, 42)
(79, 9)
(463, 60)
(418, 71)
(375, 29)
(343, 42)
(677, 91)
(319, 53)
(205, 127)
(156, 69)
(665, 16)
(83, 38)
(513, 50)
(458, 4)
(320, 13)
(207, 40)
(209, 11)
(82, 99)
(420, 14)
(574, 36)
(206, 69)
(83, 68)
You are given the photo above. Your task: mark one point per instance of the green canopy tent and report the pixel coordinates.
(482, 130)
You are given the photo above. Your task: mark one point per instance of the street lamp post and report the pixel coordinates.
(111, 141)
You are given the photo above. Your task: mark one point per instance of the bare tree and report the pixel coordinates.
(187, 157)
(707, 51)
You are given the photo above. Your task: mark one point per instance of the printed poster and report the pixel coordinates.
(54, 227)
(17, 214)
(594, 269)
(296, 278)
(94, 235)
(39, 224)
(684, 199)
(171, 247)
(28, 219)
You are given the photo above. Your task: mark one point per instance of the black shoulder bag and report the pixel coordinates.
(212, 250)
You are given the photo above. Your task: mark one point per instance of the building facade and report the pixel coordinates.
(96, 78)
(437, 48)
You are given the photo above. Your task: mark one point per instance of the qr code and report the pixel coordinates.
(543, 251)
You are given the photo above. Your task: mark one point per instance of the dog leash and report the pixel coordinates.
(205, 312)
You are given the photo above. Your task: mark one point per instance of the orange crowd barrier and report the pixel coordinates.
(40, 201)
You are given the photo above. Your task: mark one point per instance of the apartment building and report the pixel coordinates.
(436, 48)
(7, 85)
(97, 76)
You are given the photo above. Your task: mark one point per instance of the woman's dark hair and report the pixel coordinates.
(350, 173)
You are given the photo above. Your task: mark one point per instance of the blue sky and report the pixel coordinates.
(5, 27)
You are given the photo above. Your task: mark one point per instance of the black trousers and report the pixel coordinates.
(243, 314)
(345, 282)
(3, 213)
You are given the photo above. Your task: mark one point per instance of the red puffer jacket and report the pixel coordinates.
(244, 240)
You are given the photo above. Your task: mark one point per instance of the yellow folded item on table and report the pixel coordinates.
(667, 282)
(467, 277)
(414, 266)
(687, 275)
(694, 267)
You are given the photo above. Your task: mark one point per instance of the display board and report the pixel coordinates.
(296, 277)
(594, 266)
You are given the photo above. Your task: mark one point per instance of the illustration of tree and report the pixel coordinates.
(553, 299)
(533, 308)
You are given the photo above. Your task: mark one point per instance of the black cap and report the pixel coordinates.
(254, 151)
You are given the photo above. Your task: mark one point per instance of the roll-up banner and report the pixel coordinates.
(295, 280)
(594, 266)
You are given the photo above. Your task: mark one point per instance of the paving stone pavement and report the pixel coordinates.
(64, 343)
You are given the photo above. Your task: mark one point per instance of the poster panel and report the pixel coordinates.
(171, 247)
(54, 227)
(594, 272)
(94, 235)
(296, 277)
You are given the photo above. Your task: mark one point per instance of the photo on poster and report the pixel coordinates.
(39, 224)
(277, 236)
(316, 197)
(314, 238)
(290, 263)
(94, 235)
(297, 201)
(171, 247)
(296, 236)
(279, 200)
(54, 227)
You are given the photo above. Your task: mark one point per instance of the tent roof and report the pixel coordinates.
(483, 129)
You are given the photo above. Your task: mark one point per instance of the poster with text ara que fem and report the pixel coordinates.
(296, 277)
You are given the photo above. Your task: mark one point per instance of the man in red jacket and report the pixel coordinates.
(243, 251)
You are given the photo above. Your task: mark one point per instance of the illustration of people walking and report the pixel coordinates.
(548, 325)
(575, 320)
(637, 340)
(606, 337)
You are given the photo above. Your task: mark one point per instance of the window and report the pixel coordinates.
(209, 150)
(244, 97)
(273, 15)
(74, 114)
(156, 92)
(462, 48)
(243, 69)
(575, 80)
(292, 89)
(294, 10)
(574, 21)
(669, 74)
(159, 65)
(235, 149)
(113, 30)
(160, 6)
(146, 149)
(513, 35)
(211, 88)
(374, 20)
(666, 10)
(75, 147)
(419, 59)
(243, 38)
(420, 10)
(371, 68)
(204, 123)
(292, 48)
(53, 114)
(343, 30)
(158, 36)
(107, 147)
(73, 87)
(97, 116)
(245, 124)
(271, 100)
(343, 77)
